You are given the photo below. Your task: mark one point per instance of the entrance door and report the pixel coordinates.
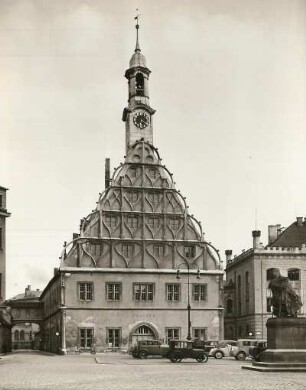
(143, 332)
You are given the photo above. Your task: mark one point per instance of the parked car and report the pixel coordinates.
(145, 348)
(255, 351)
(207, 345)
(184, 349)
(242, 350)
(223, 349)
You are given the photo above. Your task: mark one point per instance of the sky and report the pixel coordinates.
(228, 84)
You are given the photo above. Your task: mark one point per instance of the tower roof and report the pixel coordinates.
(138, 59)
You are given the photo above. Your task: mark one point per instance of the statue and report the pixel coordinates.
(285, 301)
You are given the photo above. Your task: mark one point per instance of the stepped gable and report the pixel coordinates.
(141, 208)
(293, 236)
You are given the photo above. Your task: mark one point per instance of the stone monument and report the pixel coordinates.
(286, 332)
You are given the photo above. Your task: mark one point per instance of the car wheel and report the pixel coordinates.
(241, 355)
(135, 355)
(143, 354)
(176, 358)
(202, 358)
(218, 355)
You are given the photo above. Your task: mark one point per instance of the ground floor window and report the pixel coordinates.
(86, 336)
(113, 337)
(172, 333)
(199, 333)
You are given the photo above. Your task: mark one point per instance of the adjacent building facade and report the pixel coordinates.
(247, 299)
(139, 257)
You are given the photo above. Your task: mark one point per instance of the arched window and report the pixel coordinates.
(22, 335)
(139, 84)
(229, 306)
(16, 335)
(294, 274)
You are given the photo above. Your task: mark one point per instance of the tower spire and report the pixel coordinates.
(137, 48)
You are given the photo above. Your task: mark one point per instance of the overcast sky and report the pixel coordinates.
(228, 85)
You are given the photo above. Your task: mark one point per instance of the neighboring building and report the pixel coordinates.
(5, 320)
(26, 310)
(117, 281)
(247, 299)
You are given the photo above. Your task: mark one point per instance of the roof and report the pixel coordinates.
(31, 295)
(293, 236)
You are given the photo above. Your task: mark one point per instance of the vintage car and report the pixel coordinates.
(207, 345)
(223, 349)
(255, 351)
(184, 349)
(242, 350)
(145, 348)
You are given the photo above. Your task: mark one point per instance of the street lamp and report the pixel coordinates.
(188, 305)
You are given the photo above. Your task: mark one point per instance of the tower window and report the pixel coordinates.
(152, 173)
(174, 223)
(127, 250)
(153, 198)
(111, 221)
(132, 222)
(139, 84)
(189, 251)
(153, 222)
(159, 250)
(132, 196)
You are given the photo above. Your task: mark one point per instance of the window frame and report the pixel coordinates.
(195, 293)
(172, 330)
(85, 338)
(113, 292)
(119, 338)
(127, 250)
(172, 294)
(86, 292)
(143, 291)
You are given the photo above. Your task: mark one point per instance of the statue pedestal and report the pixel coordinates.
(286, 346)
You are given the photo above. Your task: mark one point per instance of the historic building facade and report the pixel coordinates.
(247, 299)
(140, 258)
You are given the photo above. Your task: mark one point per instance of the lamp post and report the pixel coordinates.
(188, 266)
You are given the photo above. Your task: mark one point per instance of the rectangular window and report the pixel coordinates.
(1, 240)
(153, 222)
(174, 223)
(152, 173)
(189, 251)
(172, 333)
(132, 172)
(111, 221)
(86, 291)
(127, 250)
(173, 292)
(199, 333)
(143, 291)
(95, 250)
(159, 250)
(113, 291)
(132, 196)
(86, 336)
(153, 198)
(113, 337)
(132, 221)
(199, 292)
(294, 274)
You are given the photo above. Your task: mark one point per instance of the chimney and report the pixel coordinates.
(27, 290)
(107, 173)
(228, 255)
(273, 232)
(299, 221)
(256, 237)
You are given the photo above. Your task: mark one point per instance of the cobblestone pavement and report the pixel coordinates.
(36, 370)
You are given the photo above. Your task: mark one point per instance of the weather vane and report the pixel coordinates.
(137, 28)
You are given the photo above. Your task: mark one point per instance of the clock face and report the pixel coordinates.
(141, 119)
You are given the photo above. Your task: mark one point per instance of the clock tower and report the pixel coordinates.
(138, 115)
